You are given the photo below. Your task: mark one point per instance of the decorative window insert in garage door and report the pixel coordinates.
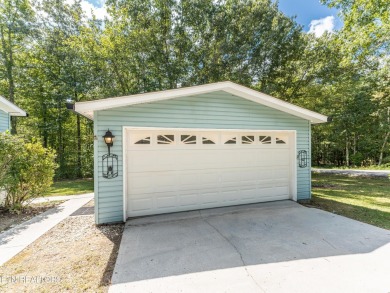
(178, 170)
(190, 138)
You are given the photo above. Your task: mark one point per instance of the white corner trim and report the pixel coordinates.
(87, 108)
(124, 172)
(294, 170)
(11, 108)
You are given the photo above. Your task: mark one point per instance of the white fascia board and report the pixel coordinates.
(87, 108)
(278, 104)
(110, 103)
(11, 108)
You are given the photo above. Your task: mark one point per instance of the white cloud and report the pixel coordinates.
(100, 12)
(320, 26)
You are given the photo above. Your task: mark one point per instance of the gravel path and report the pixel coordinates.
(74, 256)
(19, 237)
(368, 173)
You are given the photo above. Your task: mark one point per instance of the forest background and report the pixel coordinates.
(51, 54)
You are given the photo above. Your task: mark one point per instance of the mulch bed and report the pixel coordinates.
(11, 219)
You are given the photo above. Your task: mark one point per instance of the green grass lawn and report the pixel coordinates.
(365, 199)
(373, 167)
(71, 187)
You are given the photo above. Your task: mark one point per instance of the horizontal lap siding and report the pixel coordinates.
(213, 111)
(4, 121)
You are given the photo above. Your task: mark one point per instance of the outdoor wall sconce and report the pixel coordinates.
(302, 159)
(110, 161)
(109, 139)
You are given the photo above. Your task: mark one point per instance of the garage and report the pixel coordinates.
(204, 169)
(198, 147)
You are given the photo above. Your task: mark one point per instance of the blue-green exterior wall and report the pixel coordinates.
(217, 110)
(4, 121)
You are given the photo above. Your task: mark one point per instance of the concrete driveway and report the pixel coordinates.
(268, 247)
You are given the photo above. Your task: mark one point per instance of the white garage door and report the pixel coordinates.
(172, 170)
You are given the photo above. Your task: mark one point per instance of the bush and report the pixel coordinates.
(386, 160)
(357, 159)
(28, 170)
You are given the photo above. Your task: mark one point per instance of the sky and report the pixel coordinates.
(314, 17)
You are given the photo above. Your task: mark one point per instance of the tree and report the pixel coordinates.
(16, 17)
(148, 45)
(366, 28)
(28, 173)
(160, 44)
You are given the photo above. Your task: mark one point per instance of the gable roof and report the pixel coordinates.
(11, 108)
(87, 108)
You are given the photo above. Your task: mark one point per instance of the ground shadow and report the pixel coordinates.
(114, 234)
(84, 211)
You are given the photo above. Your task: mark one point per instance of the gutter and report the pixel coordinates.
(71, 107)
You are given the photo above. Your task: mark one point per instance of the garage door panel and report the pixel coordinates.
(144, 204)
(209, 196)
(230, 176)
(267, 191)
(197, 178)
(188, 198)
(265, 157)
(281, 182)
(166, 202)
(265, 184)
(265, 174)
(230, 196)
(179, 177)
(249, 174)
(161, 182)
(280, 191)
(282, 171)
(250, 193)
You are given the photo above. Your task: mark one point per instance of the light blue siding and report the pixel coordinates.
(217, 110)
(4, 121)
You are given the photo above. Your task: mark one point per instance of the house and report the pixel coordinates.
(8, 109)
(199, 147)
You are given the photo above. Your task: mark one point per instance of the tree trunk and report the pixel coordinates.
(347, 153)
(60, 146)
(383, 148)
(9, 64)
(124, 88)
(11, 89)
(79, 173)
(44, 132)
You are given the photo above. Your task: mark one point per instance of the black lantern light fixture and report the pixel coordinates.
(109, 139)
(302, 159)
(110, 161)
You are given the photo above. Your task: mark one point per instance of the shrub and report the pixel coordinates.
(386, 160)
(9, 146)
(357, 159)
(28, 172)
